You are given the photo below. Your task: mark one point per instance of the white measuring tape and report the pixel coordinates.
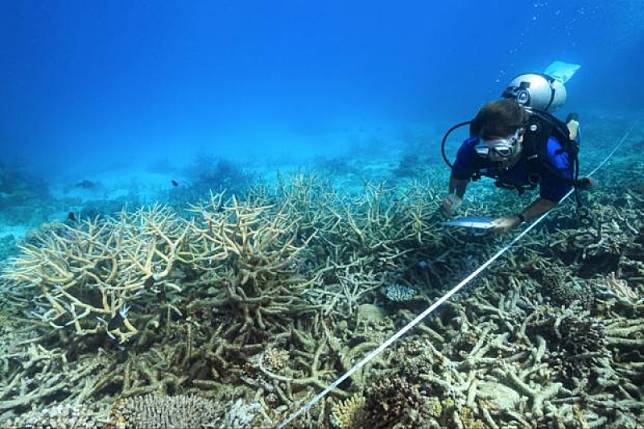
(436, 304)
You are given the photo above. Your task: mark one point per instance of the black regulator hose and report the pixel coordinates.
(445, 139)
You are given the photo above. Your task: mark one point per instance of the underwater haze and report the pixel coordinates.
(230, 214)
(102, 83)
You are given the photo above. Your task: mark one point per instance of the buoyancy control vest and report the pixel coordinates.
(539, 127)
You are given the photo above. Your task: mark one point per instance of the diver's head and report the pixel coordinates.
(537, 91)
(499, 127)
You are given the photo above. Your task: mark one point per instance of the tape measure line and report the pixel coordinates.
(440, 301)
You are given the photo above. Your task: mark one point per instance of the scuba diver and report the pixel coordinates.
(516, 141)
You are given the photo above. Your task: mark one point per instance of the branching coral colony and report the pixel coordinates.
(96, 277)
(262, 301)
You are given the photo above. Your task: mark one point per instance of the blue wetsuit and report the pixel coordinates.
(551, 185)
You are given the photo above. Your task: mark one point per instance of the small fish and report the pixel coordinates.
(122, 354)
(160, 293)
(71, 216)
(175, 183)
(102, 265)
(116, 321)
(471, 222)
(86, 184)
(149, 282)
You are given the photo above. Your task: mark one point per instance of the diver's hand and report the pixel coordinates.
(502, 225)
(450, 204)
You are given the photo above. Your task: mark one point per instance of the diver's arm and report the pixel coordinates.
(535, 209)
(454, 198)
(457, 186)
(462, 170)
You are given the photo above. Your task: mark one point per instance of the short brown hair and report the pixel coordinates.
(499, 118)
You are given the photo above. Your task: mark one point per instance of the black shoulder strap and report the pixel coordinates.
(539, 127)
(544, 125)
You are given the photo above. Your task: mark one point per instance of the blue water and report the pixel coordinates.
(88, 85)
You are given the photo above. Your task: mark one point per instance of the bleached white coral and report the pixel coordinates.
(159, 411)
(242, 414)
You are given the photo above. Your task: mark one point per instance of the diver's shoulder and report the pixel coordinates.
(467, 151)
(470, 142)
(468, 146)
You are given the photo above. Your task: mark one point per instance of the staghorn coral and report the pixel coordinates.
(167, 412)
(32, 374)
(611, 286)
(88, 276)
(251, 253)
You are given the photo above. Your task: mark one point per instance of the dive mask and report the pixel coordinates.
(503, 148)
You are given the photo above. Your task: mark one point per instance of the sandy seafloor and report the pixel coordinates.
(240, 310)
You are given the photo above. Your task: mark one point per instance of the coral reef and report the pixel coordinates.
(24, 198)
(17, 187)
(61, 416)
(399, 293)
(577, 340)
(210, 174)
(242, 414)
(87, 277)
(336, 166)
(349, 413)
(253, 303)
(395, 403)
(274, 360)
(168, 412)
(410, 165)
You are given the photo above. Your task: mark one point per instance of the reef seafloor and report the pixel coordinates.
(239, 309)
